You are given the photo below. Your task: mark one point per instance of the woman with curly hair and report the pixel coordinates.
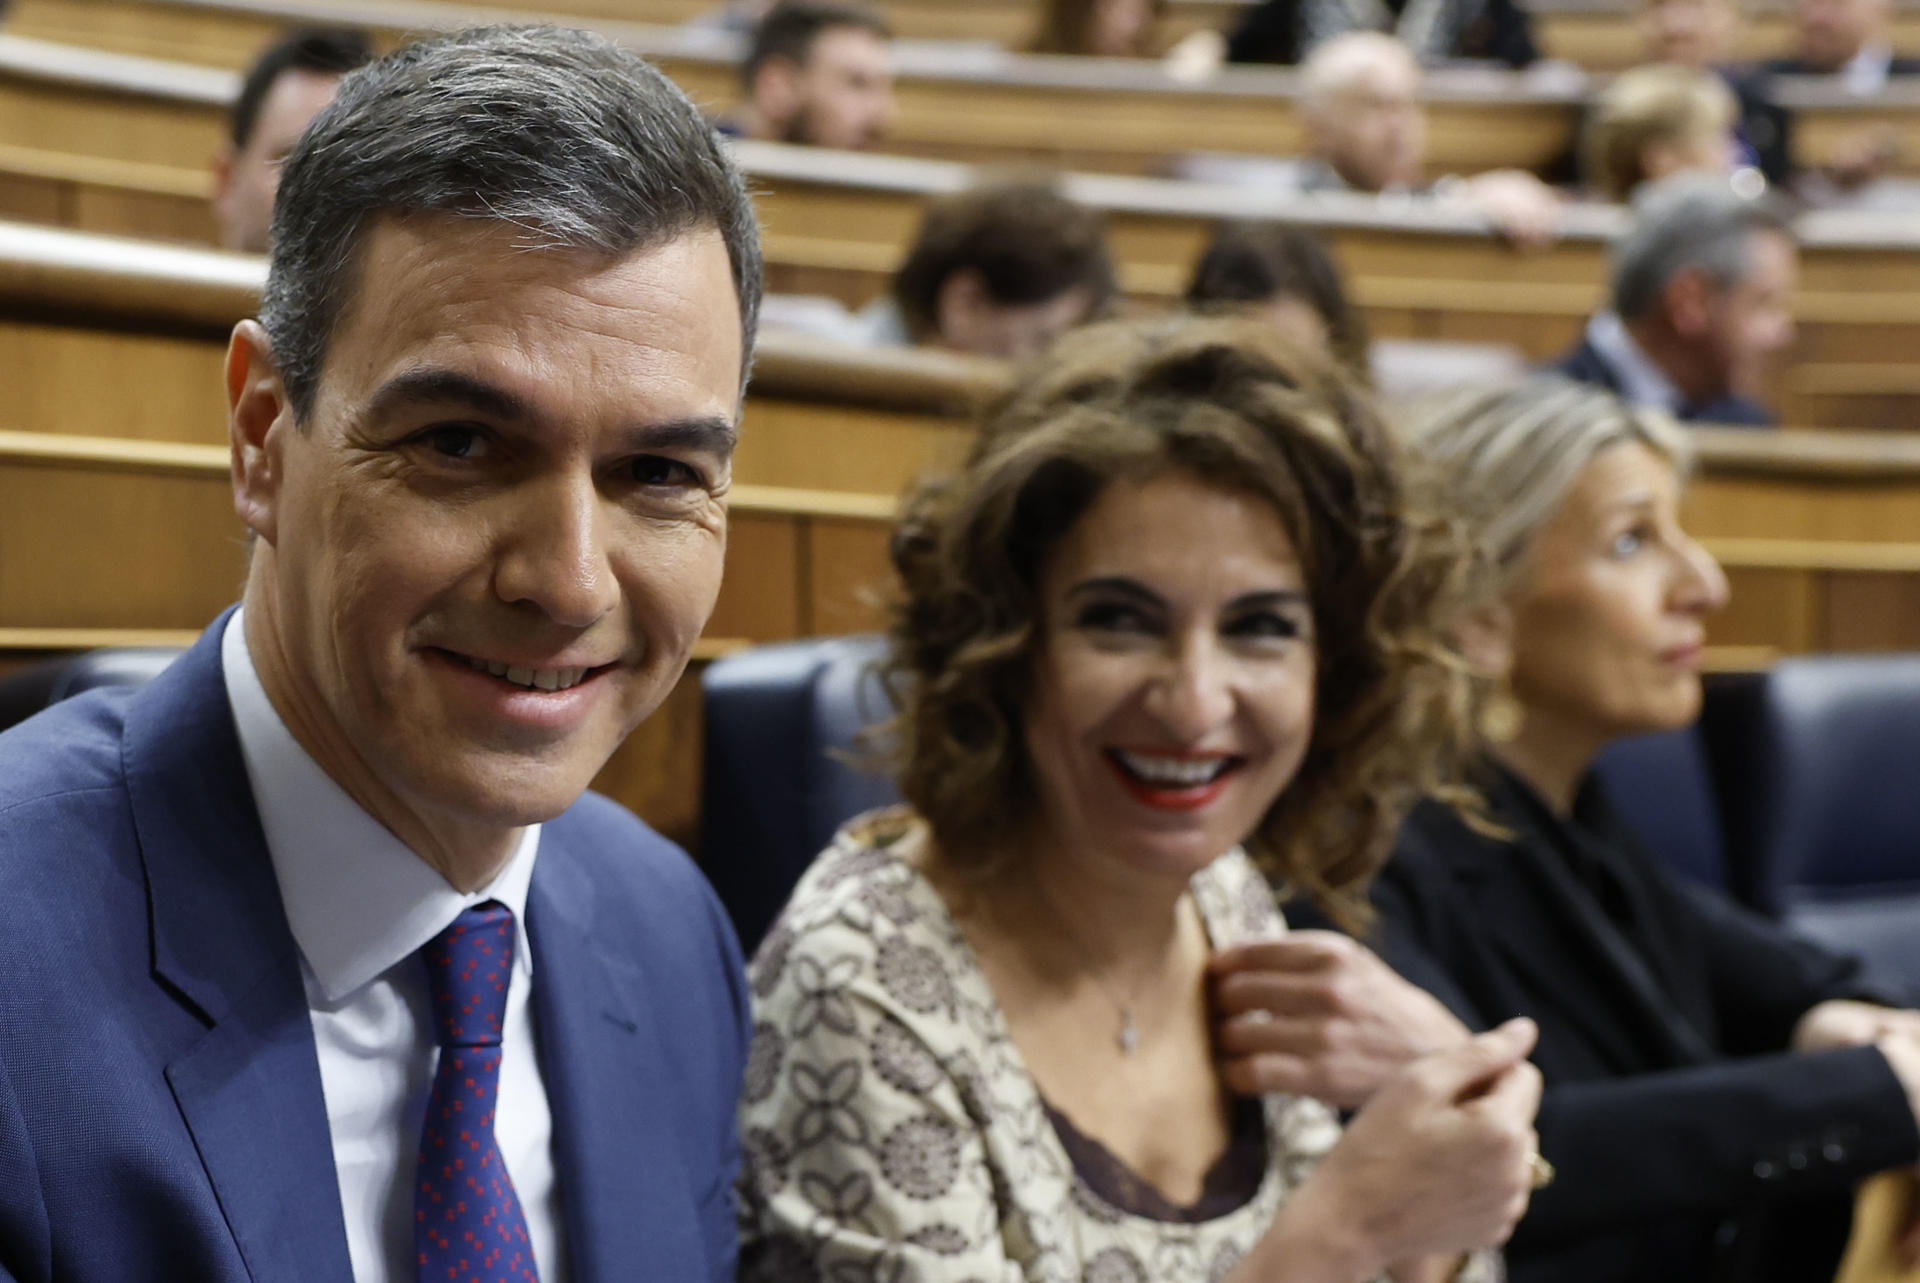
(1163, 638)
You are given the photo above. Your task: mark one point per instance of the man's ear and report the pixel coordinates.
(776, 92)
(259, 417)
(957, 305)
(1689, 301)
(222, 167)
(1484, 636)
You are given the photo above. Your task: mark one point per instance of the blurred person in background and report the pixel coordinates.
(1288, 31)
(1848, 40)
(1283, 275)
(1654, 121)
(1699, 288)
(282, 92)
(1101, 28)
(1705, 35)
(998, 271)
(817, 73)
(1367, 132)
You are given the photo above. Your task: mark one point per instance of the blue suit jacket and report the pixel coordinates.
(1586, 365)
(161, 1115)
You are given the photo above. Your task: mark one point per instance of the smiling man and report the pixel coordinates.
(321, 963)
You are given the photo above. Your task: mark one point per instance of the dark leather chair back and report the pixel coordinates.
(1834, 810)
(774, 787)
(1662, 785)
(43, 685)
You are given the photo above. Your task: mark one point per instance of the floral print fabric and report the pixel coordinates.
(890, 1131)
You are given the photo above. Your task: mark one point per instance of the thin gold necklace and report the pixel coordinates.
(1127, 1037)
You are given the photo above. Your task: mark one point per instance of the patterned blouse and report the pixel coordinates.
(891, 1132)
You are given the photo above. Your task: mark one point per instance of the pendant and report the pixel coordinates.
(1129, 1033)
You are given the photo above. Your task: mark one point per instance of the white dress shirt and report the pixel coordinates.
(1866, 73)
(1641, 381)
(361, 905)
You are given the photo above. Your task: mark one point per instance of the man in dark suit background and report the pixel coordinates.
(1698, 290)
(317, 962)
(1847, 39)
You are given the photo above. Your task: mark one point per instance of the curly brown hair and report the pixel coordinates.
(1227, 402)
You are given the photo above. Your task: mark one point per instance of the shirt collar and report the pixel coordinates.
(1641, 381)
(358, 900)
(1867, 71)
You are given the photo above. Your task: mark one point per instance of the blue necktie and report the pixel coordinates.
(467, 1222)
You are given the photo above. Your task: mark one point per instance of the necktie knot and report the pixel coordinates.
(468, 968)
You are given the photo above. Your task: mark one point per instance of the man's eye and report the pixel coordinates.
(657, 470)
(453, 441)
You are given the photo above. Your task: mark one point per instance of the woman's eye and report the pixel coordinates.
(657, 470)
(1628, 542)
(1265, 625)
(1112, 616)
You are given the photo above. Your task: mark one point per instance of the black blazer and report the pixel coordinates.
(1897, 66)
(1586, 365)
(1683, 1132)
(1270, 31)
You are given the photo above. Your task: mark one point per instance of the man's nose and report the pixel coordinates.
(553, 553)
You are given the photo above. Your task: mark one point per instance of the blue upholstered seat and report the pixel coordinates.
(26, 692)
(774, 786)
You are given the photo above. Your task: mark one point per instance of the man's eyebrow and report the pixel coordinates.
(438, 386)
(712, 434)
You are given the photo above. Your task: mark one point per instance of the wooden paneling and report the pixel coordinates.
(850, 577)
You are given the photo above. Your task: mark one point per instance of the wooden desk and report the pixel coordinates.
(1818, 530)
(1122, 116)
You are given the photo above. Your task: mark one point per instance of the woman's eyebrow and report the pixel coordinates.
(1116, 585)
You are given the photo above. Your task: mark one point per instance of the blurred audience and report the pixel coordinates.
(1699, 289)
(742, 16)
(998, 271)
(1367, 132)
(1705, 35)
(1101, 28)
(818, 73)
(280, 95)
(1714, 1086)
(1283, 275)
(1288, 31)
(1654, 121)
(1846, 39)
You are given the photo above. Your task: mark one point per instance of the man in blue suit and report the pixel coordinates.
(1700, 282)
(318, 962)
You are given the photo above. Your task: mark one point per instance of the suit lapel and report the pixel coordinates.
(1604, 987)
(249, 1090)
(628, 1207)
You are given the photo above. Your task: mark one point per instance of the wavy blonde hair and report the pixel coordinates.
(1227, 402)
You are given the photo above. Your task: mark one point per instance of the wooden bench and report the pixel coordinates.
(1818, 530)
(1121, 116)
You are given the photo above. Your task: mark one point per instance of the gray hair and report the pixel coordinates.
(1691, 220)
(555, 131)
(1503, 460)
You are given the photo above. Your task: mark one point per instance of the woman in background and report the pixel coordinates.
(1715, 1087)
(1166, 635)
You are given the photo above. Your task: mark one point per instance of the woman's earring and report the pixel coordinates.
(1501, 714)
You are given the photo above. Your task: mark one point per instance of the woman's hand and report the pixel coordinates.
(1316, 1014)
(1436, 1165)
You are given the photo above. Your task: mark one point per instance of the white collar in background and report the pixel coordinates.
(1641, 381)
(359, 900)
(1867, 71)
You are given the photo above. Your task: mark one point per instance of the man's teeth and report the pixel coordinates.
(1180, 772)
(545, 679)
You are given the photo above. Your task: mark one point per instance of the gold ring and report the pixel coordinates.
(1540, 1172)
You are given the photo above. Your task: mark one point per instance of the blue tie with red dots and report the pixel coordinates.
(467, 1222)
